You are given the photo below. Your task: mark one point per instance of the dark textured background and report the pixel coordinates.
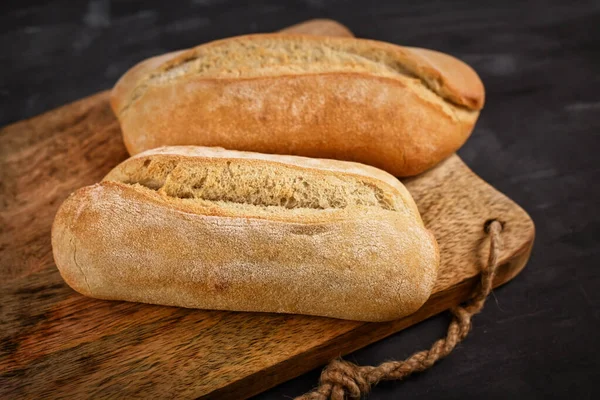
(537, 141)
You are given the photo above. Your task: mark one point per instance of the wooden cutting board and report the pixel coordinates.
(55, 342)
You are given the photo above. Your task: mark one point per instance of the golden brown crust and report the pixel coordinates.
(461, 84)
(445, 75)
(119, 241)
(316, 116)
(398, 124)
(126, 84)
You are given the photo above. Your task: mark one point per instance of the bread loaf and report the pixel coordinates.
(396, 108)
(216, 229)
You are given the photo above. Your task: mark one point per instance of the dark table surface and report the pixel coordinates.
(537, 140)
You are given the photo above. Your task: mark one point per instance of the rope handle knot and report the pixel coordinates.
(342, 379)
(345, 377)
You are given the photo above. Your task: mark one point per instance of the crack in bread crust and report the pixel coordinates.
(268, 55)
(257, 184)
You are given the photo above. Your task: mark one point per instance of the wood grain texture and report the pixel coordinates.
(57, 342)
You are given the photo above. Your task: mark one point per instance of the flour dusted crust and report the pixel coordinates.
(399, 109)
(124, 241)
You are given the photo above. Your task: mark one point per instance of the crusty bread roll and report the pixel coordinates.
(216, 229)
(397, 108)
